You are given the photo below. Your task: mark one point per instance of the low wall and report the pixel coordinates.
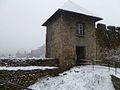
(26, 77)
(116, 82)
(29, 62)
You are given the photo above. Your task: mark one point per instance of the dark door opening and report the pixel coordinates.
(80, 52)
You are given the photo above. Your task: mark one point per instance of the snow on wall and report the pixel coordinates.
(26, 68)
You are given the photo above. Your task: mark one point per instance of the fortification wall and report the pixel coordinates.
(107, 38)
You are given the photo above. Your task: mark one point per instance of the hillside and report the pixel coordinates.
(79, 78)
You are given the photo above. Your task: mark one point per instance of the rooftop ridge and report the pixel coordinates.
(71, 6)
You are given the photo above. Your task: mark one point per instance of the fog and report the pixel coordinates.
(21, 20)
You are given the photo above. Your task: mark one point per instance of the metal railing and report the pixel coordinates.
(108, 64)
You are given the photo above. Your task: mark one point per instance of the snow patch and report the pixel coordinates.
(78, 78)
(26, 68)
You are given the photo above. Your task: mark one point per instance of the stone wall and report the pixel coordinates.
(29, 62)
(53, 40)
(26, 77)
(70, 40)
(116, 82)
(108, 38)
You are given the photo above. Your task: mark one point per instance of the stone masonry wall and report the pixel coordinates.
(108, 38)
(29, 62)
(70, 40)
(53, 40)
(27, 77)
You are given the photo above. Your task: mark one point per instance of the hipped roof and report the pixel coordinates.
(69, 6)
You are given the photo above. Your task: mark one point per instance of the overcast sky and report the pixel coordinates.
(20, 20)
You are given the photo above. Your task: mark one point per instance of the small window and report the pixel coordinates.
(80, 29)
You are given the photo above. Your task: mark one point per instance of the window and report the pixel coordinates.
(80, 29)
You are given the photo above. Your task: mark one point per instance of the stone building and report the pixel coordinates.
(70, 35)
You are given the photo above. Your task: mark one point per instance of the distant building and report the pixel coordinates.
(20, 54)
(36, 53)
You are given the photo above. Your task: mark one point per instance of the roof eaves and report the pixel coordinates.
(96, 18)
(50, 18)
(59, 11)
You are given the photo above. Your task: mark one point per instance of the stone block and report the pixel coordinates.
(118, 29)
(101, 26)
(111, 28)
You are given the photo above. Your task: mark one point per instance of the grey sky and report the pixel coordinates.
(20, 20)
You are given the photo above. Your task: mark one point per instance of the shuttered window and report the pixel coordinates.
(80, 29)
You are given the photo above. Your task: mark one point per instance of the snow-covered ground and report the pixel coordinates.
(26, 68)
(23, 59)
(79, 78)
(15, 59)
